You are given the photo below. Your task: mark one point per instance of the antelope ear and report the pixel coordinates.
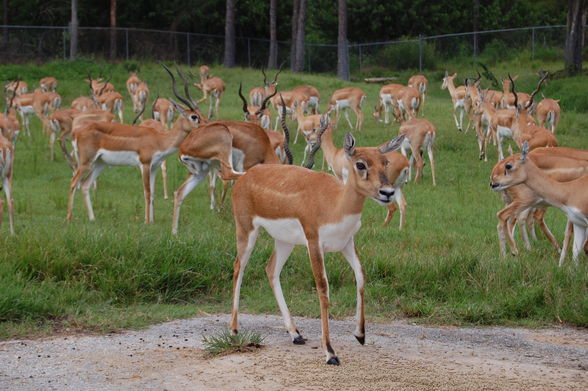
(392, 145)
(349, 145)
(524, 151)
(178, 107)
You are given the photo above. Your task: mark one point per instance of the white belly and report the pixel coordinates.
(118, 158)
(575, 216)
(284, 230)
(504, 132)
(386, 99)
(343, 104)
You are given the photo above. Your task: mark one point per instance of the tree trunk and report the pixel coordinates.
(575, 36)
(112, 30)
(299, 59)
(295, 9)
(342, 48)
(229, 60)
(273, 49)
(73, 30)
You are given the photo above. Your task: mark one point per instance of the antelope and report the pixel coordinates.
(16, 86)
(497, 123)
(256, 114)
(298, 206)
(61, 121)
(419, 136)
(421, 83)
(48, 84)
(112, 102)
(9, 125)
(288, 100)
(6, 165)
(345, 99)
(258, 94)
(213, 89)
(388, 94)
(508, 97)
(570, 197)
(204, 72)
(101, 144)
(98, 87)
(163, 110)
(407, 102)
(140, 97)
(312, 97)
(79, 121)
(82, 103)
(35, 103)
(310, 126)
(457, 97)
(132, 83)
(548, 112)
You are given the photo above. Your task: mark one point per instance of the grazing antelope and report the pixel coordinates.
(297, 206)
(6, 165)
(140, 97)
(407, 103)
(98, 87)
(548, 112)
(258, 94)
(38, 103)
(457, 98)
(312, 97)
(82, 103)
(421, 83)
(256, 114)
(213, 89)
(419, 136)
(16, 86)
(569, 197)
(163, 110)
(345, 99)
(388, 94)
(132, 83)
(508, 97)
(112, 102)
(48, 84)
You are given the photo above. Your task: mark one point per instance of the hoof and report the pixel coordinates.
(333, 361)
(361, 339)
(299, 340)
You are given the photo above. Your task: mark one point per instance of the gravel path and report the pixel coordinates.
(397, 355)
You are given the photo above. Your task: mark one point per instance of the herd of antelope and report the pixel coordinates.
(296, 205)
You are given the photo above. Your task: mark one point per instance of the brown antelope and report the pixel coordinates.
(548, 112)
(345, 99)
(9, 125)
(18, 86)
(98, 87)
(258, 94)
(312, 97)
(38, 103)
(102, 144)
(163, 110)
(569, 197)
(256, 114)
(294, 105)
(79, 121)
(310, 126)
(140, 97)
(6, 165)
(82, 103)
(457, 98)
(407, 103)
(48, 84)
(419, 137)
(60, 121)
(112, 102)
(561, 164)
(132, 83)
(421, 83)
(495, 123)
(297, 206)
(388, 94)
(204, 72)
(508, 97)
(213, 89)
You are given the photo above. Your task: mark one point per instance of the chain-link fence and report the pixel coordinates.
(43, 43)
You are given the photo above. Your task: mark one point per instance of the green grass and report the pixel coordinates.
(444, 267)
(224, 342)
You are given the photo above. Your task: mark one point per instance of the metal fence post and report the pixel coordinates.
(532, 43)
(127, 43)
(420, 53)
(188, 48)
(64, 44)
(360, 58)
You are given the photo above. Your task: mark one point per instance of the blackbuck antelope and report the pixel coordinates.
(140, 97)
(508, 97)
(17, 87)
(6, 165)
(421, 83)
(258, 94)
(213, 89)
(419, 137)
(48, 84)
(83, 103)
(297, 206)
(407, 103)
(548, 112)
(312, 97)
(345, 99)
(457, 98)
(103, 144)
(388, 95)
(9, 125)
(132, 83)
(569, 197)
(259, 115)
(494, 123)
(163, 110)
(39, 103)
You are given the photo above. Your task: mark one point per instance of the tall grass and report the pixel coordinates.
(116, 272)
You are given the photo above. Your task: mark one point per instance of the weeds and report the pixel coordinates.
(225, 342)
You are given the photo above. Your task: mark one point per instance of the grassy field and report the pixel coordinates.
(444, 267)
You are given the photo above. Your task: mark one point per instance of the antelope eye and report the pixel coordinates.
(508, 166)
(193, 117)
(360, 166)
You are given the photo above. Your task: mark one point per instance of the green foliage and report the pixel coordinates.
(225, 342)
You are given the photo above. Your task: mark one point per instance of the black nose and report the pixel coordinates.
(387, 192)
(494, 185)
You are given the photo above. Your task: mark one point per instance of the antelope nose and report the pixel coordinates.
(387, 192)
(494, 185)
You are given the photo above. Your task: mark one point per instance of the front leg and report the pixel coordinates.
(350, 254)
(322, 287)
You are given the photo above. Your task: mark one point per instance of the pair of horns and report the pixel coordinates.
(263, 105)
(188, 99)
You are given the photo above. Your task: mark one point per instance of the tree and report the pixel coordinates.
(299, 57)
(575, 36)
(230, 41)
(295, 9)
(112, 30)
(73, 30)
(273, 49)
(342, 48)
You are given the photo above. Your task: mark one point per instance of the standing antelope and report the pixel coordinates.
(407, 103)
(48, 84)
(16, 86)
(457, 98)
(132, 83)
(213, 89)
(312, 96)
(256, 114)
(6, 165)
(82, 103)
(548, 112)
(297, 206)
(258, 94)
(420, 136)
(421, 83)
(163, 110)
(388, 94)
(508, 97)
(140, 97)
(345, 99)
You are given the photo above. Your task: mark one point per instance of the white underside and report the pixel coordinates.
(118, 158)
(575, 216)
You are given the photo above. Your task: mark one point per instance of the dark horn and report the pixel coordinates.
(512, 89)
(317, 146)
(140, 114)
(286, 133)
(186, 87)
(153, 107)
(276, 77)
(264, 76)
(183, 100)
(264, 103)
(545, 76)
(243, 99)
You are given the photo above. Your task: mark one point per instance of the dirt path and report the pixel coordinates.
(397, 355)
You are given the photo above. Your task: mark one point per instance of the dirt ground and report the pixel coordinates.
(397, 355)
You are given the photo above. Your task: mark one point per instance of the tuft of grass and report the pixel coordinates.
(225, 342)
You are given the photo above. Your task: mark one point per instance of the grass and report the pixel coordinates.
(115, 272)
(225, 343)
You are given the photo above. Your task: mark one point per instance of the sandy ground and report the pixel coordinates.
(397, 355)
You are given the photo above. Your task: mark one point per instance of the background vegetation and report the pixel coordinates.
(444, 267)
